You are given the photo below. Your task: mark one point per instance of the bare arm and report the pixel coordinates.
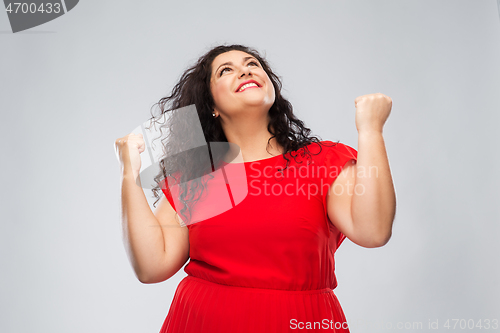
(365, 210)
(156, 244)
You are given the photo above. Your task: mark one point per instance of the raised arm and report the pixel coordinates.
(156, 243)
(365, 210)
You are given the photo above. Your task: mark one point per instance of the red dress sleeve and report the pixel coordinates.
(166, 191)
(168, 194)
(336, 157)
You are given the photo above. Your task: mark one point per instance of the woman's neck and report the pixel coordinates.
(252, 138)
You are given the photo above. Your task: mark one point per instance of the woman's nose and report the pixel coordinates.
(245, 70)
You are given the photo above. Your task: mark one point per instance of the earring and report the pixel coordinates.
(213, 114)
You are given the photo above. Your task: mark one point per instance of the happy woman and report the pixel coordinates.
(266, 264)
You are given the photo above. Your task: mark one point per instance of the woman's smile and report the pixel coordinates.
(248, 84)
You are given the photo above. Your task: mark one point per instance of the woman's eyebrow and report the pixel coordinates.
(230, 63)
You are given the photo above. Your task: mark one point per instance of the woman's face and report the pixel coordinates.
(239, 84)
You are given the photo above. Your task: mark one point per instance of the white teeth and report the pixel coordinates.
(251, 84)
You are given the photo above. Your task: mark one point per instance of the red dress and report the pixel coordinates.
(267, 264)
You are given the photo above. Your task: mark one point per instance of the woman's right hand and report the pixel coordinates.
(128, 150)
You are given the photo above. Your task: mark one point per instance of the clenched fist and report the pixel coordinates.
(372, 111)
(128, 150)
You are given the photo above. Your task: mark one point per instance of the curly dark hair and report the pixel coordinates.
(193, 87)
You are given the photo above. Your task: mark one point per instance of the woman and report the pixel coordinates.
(267, 263)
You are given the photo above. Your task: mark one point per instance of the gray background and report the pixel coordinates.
(70, 87)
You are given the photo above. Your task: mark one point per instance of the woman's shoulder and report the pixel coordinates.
(329, 153)
(324, 147)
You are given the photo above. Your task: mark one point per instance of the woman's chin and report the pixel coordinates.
(250, 110)
(257, 101)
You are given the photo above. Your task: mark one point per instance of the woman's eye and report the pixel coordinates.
(222, 71)
(229, 68)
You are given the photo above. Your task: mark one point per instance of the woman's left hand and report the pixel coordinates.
(372, 111)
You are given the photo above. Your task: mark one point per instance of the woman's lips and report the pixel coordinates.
(248, 88)
(247, 82)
